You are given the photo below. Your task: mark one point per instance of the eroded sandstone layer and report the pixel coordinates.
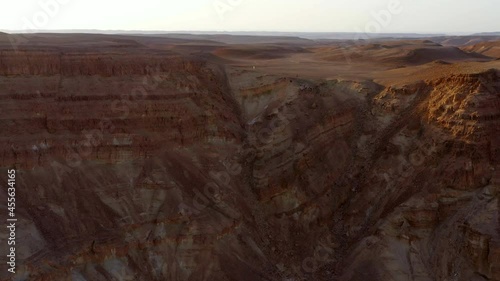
(154, 160)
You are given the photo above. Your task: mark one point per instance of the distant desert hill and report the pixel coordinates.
(83, 41)
(497, 33)
(401, 52)
(491, 49)
(238, 39)
(425, 55)
(464, 40)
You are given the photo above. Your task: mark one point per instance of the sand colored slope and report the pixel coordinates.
(491, 49)
(397, 52)
(259, 52)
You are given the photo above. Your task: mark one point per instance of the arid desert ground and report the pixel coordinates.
(219, 157)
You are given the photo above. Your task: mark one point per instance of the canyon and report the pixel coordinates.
(191, 158)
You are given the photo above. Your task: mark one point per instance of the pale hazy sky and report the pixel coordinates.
(429, 16)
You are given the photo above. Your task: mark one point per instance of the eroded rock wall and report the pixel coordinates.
(174, 168)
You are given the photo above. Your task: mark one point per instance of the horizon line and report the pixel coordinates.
(141, 31)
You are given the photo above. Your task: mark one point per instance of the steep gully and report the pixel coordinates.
(227, 176)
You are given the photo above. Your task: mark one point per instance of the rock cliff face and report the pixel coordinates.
(172, 167)
(436, 175)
